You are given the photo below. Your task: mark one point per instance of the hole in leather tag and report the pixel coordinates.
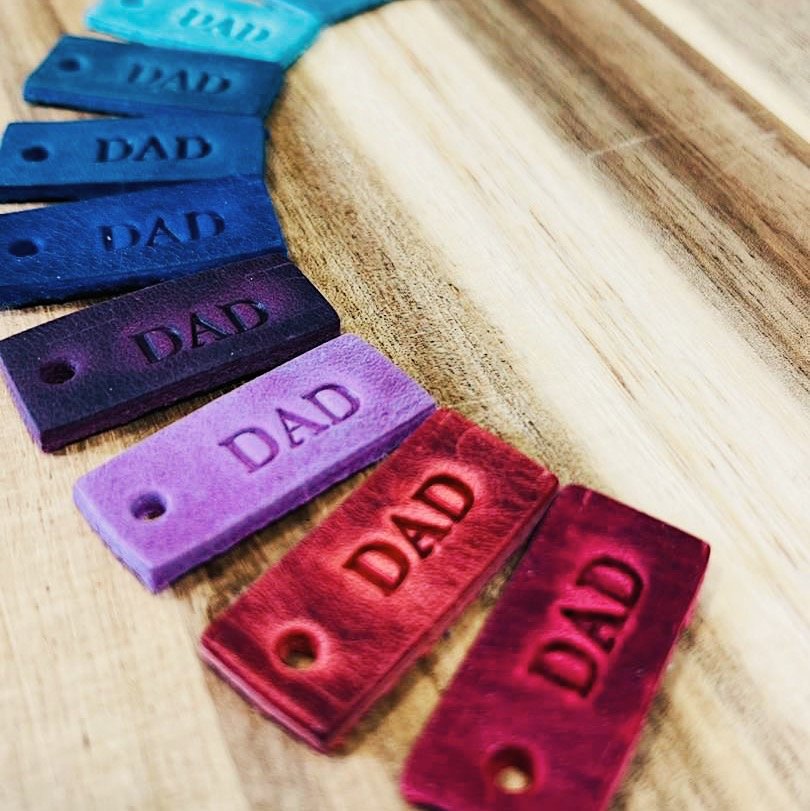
(35, 154)
(23, 247)
(511, 770)
(70, 64)
(57, 372)
(298, 649)
(148, 507)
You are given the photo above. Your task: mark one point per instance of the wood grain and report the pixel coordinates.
(581, 223)
(759, 44)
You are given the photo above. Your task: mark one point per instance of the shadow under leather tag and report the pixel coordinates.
(112, 362)
(330, 11)
(547, 707)
(274, 31)
(331, 628)
(111, 244)
(113, 77)
(197, 487)
(72, 160)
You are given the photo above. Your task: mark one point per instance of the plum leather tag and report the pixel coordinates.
(119, 243)
(274, 31)
(110, 363)
(330, 11)
(112, 77)
(72, 160)
(197, 487)
(373, 587)
(546, 709)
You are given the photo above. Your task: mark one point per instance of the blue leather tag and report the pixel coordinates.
(72, 160)
(133, 240)
(111, 77)
(330, 11)
(275, 31)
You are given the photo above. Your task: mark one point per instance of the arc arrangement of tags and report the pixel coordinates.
(169, 203)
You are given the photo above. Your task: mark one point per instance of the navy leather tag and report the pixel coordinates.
(132, 240)
(72, 160)
(112, 77)
(110, 363)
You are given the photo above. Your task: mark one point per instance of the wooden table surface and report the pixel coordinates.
(583, 223)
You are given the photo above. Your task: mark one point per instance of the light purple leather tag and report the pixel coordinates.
(203, 483)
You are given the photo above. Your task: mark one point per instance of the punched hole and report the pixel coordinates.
(57, 372)
(23, 247)
(512, 770)
(69, 64)
(148, 507)
(35, 154)
(297, 649)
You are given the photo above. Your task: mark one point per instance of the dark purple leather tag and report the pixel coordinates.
(113, 362)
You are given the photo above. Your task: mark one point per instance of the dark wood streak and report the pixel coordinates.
(656, 127)
(372, 275)
(718, 80)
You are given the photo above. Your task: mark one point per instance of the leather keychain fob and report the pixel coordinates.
(546, 709)
(197, 487)
(112, 244)
(372, 588)
(74, 160)
(128, 79)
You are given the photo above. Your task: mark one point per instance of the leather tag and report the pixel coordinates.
(275, 32)
(110, 363)
(330, 629)
(72, 160)
(546, 708)
(131, 240)
(197, 487)
(112, 77)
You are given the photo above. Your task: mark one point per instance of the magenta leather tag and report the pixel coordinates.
(195, 488)
(546, 709)
(373, 587)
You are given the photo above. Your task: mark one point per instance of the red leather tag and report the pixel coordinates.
(546, 709)
(321, 636)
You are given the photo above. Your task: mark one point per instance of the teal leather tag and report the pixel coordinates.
(274, 31)
(330, 11)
